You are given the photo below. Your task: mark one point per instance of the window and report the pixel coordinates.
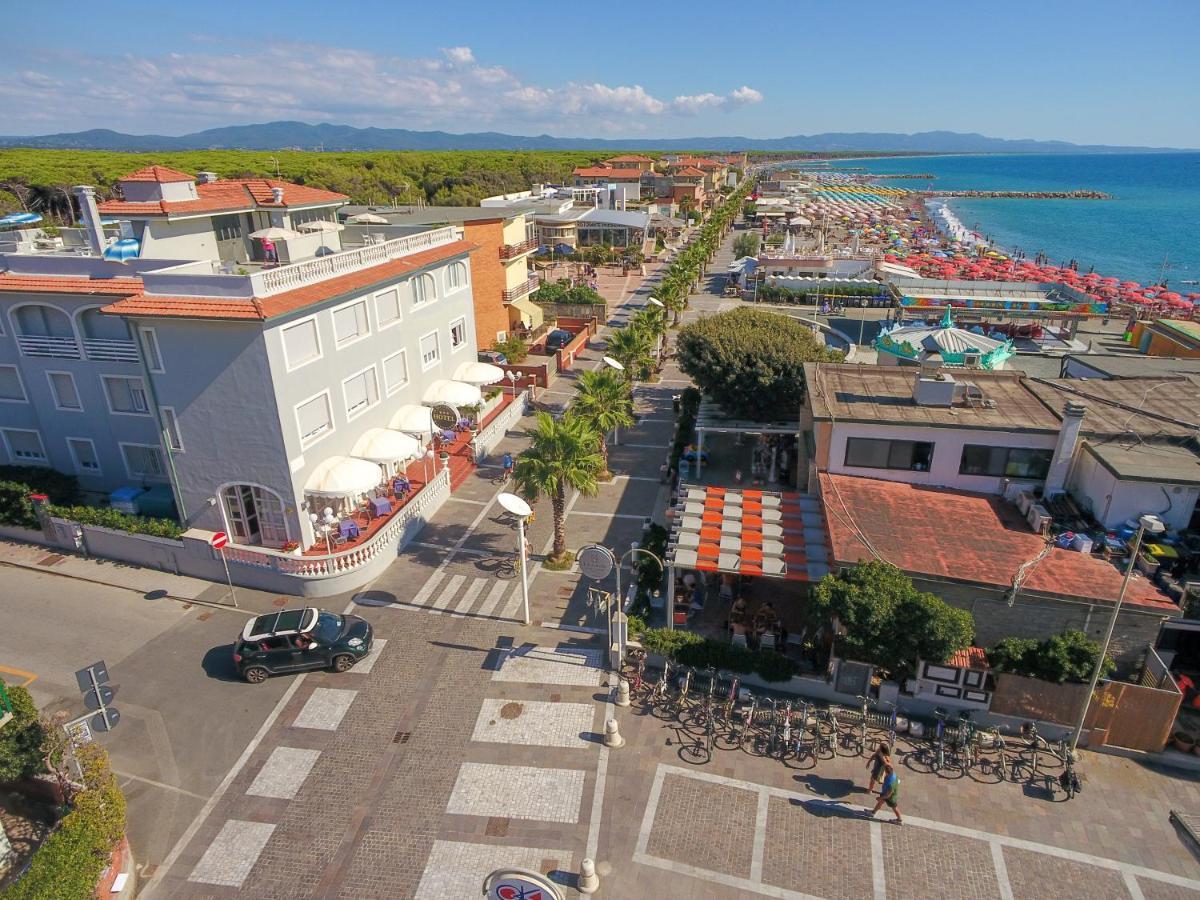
(11, 388)
(871, 453)
(126, 396)
(350, 323)
(361, 392)
(301, 343)
(430, 353)
(170, 424)
(314, 417)
(309, 215)
(228, 228)
(62, 387)
(456, 276)
(150, 350)
(395, 371)
(24, 446)
(423, 289)
(143, 461)
(387, 307)
(1010, 462)
(83, 454)
(458, 335)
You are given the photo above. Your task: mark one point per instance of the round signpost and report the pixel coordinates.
(219, 541)
(520, 884)
(595, 562)
(519, 508)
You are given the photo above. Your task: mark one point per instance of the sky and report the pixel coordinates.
(1086, 71)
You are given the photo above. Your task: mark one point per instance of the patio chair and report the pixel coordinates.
(738, 640)
(766, 642)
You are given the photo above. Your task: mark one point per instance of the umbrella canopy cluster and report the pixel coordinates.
(16, 220)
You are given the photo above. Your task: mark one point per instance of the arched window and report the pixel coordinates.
(44, 331)
(254, 515)
(424, 289)
(456, 276)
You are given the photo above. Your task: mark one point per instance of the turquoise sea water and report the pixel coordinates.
(1154, 214)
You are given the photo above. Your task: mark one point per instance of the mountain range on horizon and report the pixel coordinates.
(328, 137)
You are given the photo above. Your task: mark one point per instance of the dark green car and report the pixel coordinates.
(297, 640)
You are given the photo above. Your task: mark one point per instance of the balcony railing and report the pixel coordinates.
(48, 347)
(530, 285)
(512, 251)
(110, 351)
(285, 278)
(326, 565)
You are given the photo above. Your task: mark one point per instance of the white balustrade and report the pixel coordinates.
(110, 351)
(45, 346)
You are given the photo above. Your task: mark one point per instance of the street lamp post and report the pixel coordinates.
(1146, 523)
(633, 550)
(519, 508)
(616, 366)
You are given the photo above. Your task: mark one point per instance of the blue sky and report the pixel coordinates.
(1089, 72)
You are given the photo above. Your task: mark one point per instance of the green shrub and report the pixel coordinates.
(21, 739)
(666, 641)
(514, 348)
(18, 482)
(68, 865)
(690, 649)
(1069, 656)
(773, 666)
(637, 625)
(105, 517)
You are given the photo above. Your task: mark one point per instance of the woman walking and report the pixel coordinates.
(879, 760)
(889, 793)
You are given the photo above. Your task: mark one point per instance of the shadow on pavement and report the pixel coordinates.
(218, 664)
(827, 787)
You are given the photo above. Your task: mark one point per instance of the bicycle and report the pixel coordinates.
(862, 725)
(658, 694)
(824, 733)
(784, 733)
(1034, 745)
(764, 737)
(699, 716)
(741, 728)
(892, 722)
(964, 743)
(847, 739)
(992, 769)
(804, 749)
(635, 664)
(939, 740)
(1068, 779)
(503, 566)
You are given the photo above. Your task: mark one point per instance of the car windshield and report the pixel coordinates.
(328, 627)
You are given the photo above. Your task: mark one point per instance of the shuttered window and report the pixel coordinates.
(314, 418)
(301, 343)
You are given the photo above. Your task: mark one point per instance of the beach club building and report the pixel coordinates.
(254, 395)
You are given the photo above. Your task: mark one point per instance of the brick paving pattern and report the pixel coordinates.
(283, 773)
(1157, 890)
(704, 824)
(1032, 874)
(917, 867)
(232, 854)
(801, 844)
(526, 792)
(535, 722)
(458, 870)
(560, 665)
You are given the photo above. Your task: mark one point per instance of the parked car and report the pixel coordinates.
(557, 339)
(495, 357)
(297, 640)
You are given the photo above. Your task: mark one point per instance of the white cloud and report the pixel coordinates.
(317, 83)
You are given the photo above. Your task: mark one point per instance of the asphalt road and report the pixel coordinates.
(185, 717)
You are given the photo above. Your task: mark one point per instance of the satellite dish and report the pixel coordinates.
(609, 361)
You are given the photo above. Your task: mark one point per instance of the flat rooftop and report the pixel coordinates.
(433, 215)
(965, 538)
(1159, 463)
(883, 394)
(1157, 407)
(1135, 365)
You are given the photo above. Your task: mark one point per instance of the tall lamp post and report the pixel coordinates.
(1153, 525)
(634, 549)
(616, 367)
(519, 508)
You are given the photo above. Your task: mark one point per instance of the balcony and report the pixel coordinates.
(46, 347)
(110, 351)
(531, 284)
(512, 251)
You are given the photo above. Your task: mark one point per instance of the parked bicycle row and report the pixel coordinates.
(716, 712)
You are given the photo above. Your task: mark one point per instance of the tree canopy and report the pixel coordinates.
(1069, 656)
(887, 621)
(21, 738)
(751, 361)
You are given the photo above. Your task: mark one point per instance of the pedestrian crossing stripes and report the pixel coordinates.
(462, 596)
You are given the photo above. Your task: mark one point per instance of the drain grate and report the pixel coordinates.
(401, 737)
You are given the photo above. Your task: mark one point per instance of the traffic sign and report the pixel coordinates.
(84, 676)
(520, 884)
(92, 701)
(595, 562)
(218, 540)
(105, 721)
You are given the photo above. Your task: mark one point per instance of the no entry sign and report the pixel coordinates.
(218, 540)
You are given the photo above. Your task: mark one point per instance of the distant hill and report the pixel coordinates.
(302, 136)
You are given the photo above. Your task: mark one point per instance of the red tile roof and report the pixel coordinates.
(971, 658)
(607, 172)
(964, 537)
(689, 172)
(57, 284)
(263, 308)
(160, 174)
(226, 195)
(699, 162)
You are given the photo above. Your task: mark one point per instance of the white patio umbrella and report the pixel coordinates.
(478, 373)
(342, 476)
(385, 445)
(368, 219)
(413, 419)
(274, 233)
(456, 393)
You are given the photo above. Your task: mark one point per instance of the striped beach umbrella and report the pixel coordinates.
(13, 219)
(123, 250)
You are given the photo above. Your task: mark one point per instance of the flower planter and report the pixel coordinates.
(1183, 742)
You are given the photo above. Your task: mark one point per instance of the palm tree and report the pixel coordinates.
(605, 403)
(563, 454)
(631, 347)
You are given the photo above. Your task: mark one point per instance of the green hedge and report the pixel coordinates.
(1069, 656)
(18, 482)
(68, 865)
(106, 517)
(690, 649)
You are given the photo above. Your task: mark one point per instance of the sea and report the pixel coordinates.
(1146, 232)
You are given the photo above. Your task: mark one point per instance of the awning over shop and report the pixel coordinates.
(385, 445)
(456, 393)
(413, 418)
(342, 476)
(478, 373)
(526, 312)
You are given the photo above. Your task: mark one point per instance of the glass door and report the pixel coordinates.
(242, 514)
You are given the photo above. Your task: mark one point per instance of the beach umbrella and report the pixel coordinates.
(15, 219)
(123, 250)
(274, 234)
(322, 227)
(1128, 285)
(366, 219)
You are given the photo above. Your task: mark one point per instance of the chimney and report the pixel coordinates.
(277, 195)
(1064, 450)
(90, 214)
(206, 177)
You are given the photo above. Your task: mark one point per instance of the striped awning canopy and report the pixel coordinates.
(749, 532)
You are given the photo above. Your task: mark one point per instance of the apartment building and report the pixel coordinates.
(203, 365)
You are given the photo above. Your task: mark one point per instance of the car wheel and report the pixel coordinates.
(255, 674)
(342, 662)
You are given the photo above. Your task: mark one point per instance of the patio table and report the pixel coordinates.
(349, 529)
(381, 506)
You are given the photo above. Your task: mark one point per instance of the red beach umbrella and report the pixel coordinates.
(1130, 285)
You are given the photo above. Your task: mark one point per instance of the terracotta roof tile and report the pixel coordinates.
(160, 174)
(971, 658)
(57, 284)
(262, 308)
(629, 157)
(607, 172)
(226, 195)
(965, 537)
(689, 172)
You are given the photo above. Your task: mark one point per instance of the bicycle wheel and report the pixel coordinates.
(847, 743)
(921, 760)
(730, 738)
(695, 719)
(987, 770)
(803, 756)
(695, 753)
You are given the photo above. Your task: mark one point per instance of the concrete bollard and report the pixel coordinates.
(622, 693)
(589, 881)
(612, 737)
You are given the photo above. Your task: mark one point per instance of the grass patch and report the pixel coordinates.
(560, 563)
